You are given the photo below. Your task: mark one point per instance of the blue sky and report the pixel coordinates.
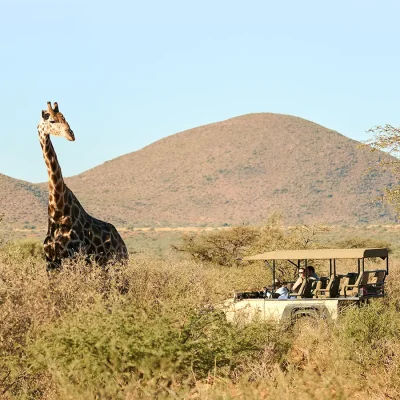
(127, 73)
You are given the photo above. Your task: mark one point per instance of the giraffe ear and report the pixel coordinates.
(50, 109)
(45, 115)
(56, 107)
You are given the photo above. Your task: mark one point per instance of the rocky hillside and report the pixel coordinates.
(22, 204)
(239, 171)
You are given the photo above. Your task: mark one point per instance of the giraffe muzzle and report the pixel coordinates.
(71, 136)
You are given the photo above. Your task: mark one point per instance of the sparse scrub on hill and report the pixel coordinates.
(324, 180)
(1, 238)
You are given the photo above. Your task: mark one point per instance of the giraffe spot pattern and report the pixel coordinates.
(70, 228)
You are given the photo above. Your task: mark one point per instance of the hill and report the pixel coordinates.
(236, 171)
(239, 171)
(22, 203)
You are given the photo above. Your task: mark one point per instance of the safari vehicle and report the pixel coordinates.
(323, 297)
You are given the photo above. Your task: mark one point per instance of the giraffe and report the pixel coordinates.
(71, 229)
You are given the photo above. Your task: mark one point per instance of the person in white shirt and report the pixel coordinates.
(282, 290)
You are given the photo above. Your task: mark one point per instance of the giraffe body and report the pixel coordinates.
(71, 229)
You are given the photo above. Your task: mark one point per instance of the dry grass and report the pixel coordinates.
(146, 330)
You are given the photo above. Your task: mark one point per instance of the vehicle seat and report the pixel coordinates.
(348, 290)
(344, 282)
(319, 284)
(372, 281)
(375, 283)
(377, 277)
(331, 289)
(353, 277)
(304, 290)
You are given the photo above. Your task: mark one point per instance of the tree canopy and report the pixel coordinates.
(387, 138)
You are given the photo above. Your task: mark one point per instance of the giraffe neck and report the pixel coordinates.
(57, 187)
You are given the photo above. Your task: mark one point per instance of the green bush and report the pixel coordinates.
(223, 247)
(23, 250)
(227, 246)
(368, 332)
(93, 350)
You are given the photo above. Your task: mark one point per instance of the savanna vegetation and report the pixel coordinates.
(387, 138)
(148, 329)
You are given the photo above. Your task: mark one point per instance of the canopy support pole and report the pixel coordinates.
(273, 276)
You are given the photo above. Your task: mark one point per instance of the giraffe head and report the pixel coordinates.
(54, 123)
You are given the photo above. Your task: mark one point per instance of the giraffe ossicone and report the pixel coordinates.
(71, 230)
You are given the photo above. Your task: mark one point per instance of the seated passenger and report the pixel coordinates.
(311, 275)
(297, 284)
(281, 289)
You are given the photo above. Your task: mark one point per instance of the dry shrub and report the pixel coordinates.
(23, 249)
(361, 243)
(228, 247)
(85, 331)
(146, 330)
(223, 247)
